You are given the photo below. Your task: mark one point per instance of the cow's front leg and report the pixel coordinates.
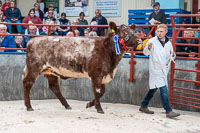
(102, 91)
(96, 85)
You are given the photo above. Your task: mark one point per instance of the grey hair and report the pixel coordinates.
(3, 26)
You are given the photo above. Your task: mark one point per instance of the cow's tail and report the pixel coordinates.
(25, 73)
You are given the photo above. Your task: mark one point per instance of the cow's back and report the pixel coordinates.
(62, 54)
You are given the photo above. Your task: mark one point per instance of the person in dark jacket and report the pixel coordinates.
(188, 49)
(13, 15)
(101, 20)
(157, 16)
(82, 21)
(63, 21)
(38, 12)
(6, 41)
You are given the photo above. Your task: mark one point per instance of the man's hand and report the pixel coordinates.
(150, 46)
(157, 22)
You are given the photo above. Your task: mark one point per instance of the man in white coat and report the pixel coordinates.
(161, 54)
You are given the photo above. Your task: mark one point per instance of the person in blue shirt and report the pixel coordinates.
(6, 41)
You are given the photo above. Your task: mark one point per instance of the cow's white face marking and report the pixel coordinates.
(98, 90)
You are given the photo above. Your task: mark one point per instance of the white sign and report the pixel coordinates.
(109, 8)
(74, 7)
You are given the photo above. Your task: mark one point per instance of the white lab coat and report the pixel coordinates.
(159, 62)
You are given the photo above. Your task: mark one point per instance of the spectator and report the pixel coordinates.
(2, 17)
(19, 43)
(53, 31)
(93, 31)
(63, 21)
(51, 8)
(196, 20)
(49, 17)
(6, 5)
(0, 4)
(86, 32)
(157, 17)
(38, 12)
(33, 19)
(142, 41)
(13, 15)
(71, 34)
(101, 20)
(162, 48)
(41, 5)
(6, 41)
(82, 21)
(188, 49)
(32, 30)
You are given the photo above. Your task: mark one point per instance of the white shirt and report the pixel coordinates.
(159, 62)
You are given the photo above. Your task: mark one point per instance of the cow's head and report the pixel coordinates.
(125, 33)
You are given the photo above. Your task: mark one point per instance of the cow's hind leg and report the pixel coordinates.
(28, 81)
(54, 86)
(102, 91)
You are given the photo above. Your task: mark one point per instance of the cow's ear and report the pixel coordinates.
(113, 27)
(133, 26)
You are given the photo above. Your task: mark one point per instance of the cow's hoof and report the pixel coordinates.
(88, 105)
(68, 108)
(100, 111)
(30, 109)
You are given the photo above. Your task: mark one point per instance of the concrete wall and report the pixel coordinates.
(119, 90)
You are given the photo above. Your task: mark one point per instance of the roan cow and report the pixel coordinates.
(76, 57)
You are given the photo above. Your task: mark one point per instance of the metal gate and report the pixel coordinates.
(189, 97)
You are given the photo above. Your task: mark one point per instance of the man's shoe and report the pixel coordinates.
(172, 114)
(146, 110)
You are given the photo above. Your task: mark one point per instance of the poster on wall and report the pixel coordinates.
(109, 8)
(74, 7)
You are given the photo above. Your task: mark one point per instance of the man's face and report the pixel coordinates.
(140, 34)
(161, 32)
(156, 8)
(2, 30)
(50, 14)
(12, 4)
(18, 40)
(32, 30)
(187, 34)
(97, 13)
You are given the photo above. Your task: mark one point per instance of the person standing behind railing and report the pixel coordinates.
(101, 20)
(157, 17)
(13, 15)
(6, 41)
(82, 21)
